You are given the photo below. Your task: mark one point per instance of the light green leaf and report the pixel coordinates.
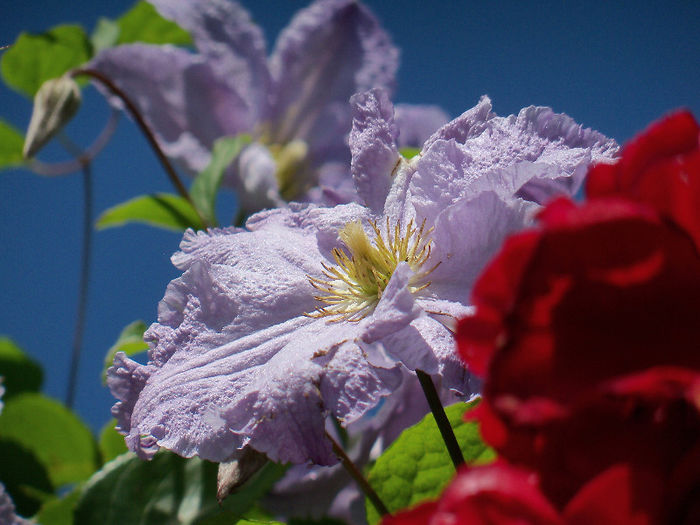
(111, 442)
(417, 467)
(11, 142)
(130, 342)
(229, 518)
(105, 34)
(207, 183)
(20, 372)
(143, 24)
(162, 210)
(166, 490)
(409, 153)
(35, 58)
(60, 440)
(59, 511)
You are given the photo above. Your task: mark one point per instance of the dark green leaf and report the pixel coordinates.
(36, 58)
(417, 467)
(59, 511)
(309, 521)
(166, 490)
(24, 477)
(143, 24)
(130, 342)
(207, 183)
(105, 35)
(163, 210)
(256, 522)
(62, 442)
(20, 372)
(111, 442)
(11, 142)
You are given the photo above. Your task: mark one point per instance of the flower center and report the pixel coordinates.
(291, 160)
(354, 285)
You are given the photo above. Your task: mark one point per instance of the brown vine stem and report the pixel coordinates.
(172, 174)
(359, 478)
(81, 309)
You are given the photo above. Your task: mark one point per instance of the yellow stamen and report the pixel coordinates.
(354, 285)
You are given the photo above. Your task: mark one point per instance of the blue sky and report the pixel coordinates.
(612, 66)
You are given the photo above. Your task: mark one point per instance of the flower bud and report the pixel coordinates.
(234, 473)
(55, 104)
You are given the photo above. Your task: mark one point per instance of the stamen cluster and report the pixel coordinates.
(356, 283)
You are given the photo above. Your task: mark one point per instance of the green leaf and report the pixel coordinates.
(24, 477)
(162, 210)
(417, 467)
(207, 183)
(309, 521)
(130, 342)
(20, 372)
(105, 34)
(62, 442)
(143, 24)
(111, 442)
(59, 511)
(409, 153)
(255, 522)
(36, 58)
(11, 142)
(166, 490)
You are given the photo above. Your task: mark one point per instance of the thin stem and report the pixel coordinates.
(79, 329)
(172, 174)
(359, 478)
(63, 168)
(448, 435)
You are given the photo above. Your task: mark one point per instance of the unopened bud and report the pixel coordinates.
(235, 472)
(55, 104)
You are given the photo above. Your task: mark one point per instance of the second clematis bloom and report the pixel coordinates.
(293, 104)
(309, 313)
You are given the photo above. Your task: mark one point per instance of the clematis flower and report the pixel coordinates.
(310, 312)
(294, 104)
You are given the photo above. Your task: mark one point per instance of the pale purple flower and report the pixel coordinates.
(310, 312)
(294, 104)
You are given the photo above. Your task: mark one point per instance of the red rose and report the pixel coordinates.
(661, 168)
(496, 493)
(503, 494)
(588, 332)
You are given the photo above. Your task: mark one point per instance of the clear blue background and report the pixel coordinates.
(612, 66)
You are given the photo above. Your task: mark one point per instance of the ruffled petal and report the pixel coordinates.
(471, 123)
(184, 102)
(329, 51)
(373, 146)
(467, 234)
(231, 44)
(234, 360)
(532, 156)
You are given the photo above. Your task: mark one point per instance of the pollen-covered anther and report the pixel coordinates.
(354, 285)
